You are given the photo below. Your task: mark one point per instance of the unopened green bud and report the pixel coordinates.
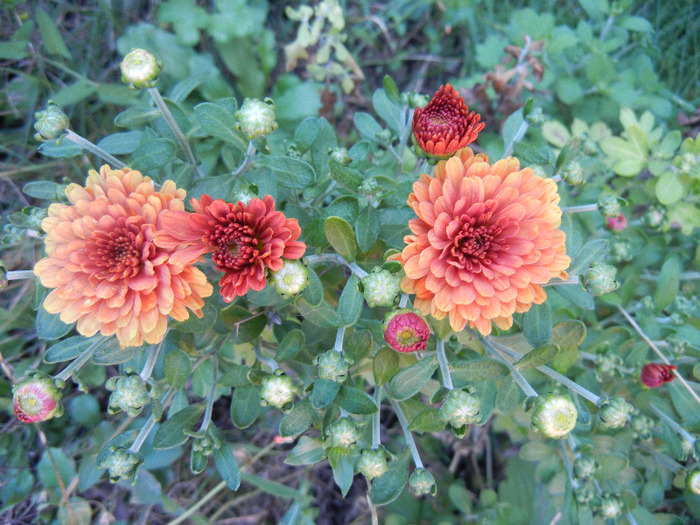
(610, 205)
(611, 506)
(620, 250)
(244, 195)
(140, 69)
(342, 434)
(460, 408)
(613, 412)
(256, 118)
(584, 494)
(599, 279)
(372, 463)
(369, 186)
(679, 345)
(203, 446)
(642, 426)
(381, 288)
(130, 393)
(572, 173)
(688, 164)
(607, 364)
(536, 117)
(584, 468)
(422, 482)
(554, 415)
(122, 464)
(277, 390)
(291, 279)
(415, 100)
(692, 480)
(51, 123)
(654, 217)
(333, 365)
(340, 155)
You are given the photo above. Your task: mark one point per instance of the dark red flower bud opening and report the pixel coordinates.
(654, 375)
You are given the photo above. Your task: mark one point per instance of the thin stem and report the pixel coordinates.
(79, 361)
(403, 301)
(671, 423)
(444, 365)
(357, 270)
(376, 425)
(580, 209)
(150, 423)
(683, 276)
(194, 508)
(606, 27)
(170, 120)
(339, 336)
(247, 161)
(95, 150)
(407, 434)
(567, 464)
(334, 257)
(514, 372)
(16, 275)
(153, 351)
(573, 279)
(669, 463)
(518, 135)
(655, 348)
(212, 394)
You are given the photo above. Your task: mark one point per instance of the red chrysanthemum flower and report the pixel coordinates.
(654, 375)
(108, 274)
(247, 239)
(485, 240)
(445, 124)
(406, 331)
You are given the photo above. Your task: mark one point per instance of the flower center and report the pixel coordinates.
(474, 243)
(118, 252)
(407, 336)
(30, 404)
(236, 244)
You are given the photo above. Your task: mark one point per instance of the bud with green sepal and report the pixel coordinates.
(291, 279)
(642, 426)
(678, 345)
(572, 173)
(584, 494)
(599, 279)
(460, 409)
(584, 468)
(536, 117)
(256, 118)
(415, 100)
(37, 397)
(620, 250)
(692, 479)
(140, 69)
(342, 434)
(51, 123)
(122, 464)
(340, 155)
(554, 415)
(333, 365)
(613, 412)
(130, 393)
(611, 205)
(277, 390)
(422, 482)
(372, 463)
(611, 505)
(607, 364)
(380, 287)
(203, 446)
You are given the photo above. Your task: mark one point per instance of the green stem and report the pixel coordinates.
(212, 394)
(580, 209)
(444, 365)
(376, 425)
(671, 423)
(518, 135)
(407, 434)
(151, 361)
(150, 423)
(95, 150)
(247, 161)
(339, 336)
(514, 372)
(573, 279)
(403, 301)
(16, 275)
(79, 361)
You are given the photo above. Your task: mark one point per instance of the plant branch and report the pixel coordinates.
(444, 365)
(407, 434)
(95, 150)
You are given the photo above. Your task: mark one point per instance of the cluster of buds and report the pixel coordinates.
(654, 217)
(620, 249)
(460, 409)
(611, 505)
(203, 446)
(340, 155)
(121, 464)
(584, 494)
(256, 118)
(372, 463)
(37, 397)
(613, 412)
(654, 375)
(140, 69)
(642, 426)
(130, 393)
(584, 468)
(51, 123)
(277, 390)
(406, 331)
(380, 287)
(332, 365)
(610, 205)
(422, 482)
(554, 415)
(342, 434)
(607, 364)
(572, 173)
(678, 344)
(291, 279)
(413, 99)
(599, 279)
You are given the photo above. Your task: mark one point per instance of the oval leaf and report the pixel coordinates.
(172, 432)
(410, 380)
(290, 173)
(356, 401)
(341, 236)
(537, 357)
(478, 369)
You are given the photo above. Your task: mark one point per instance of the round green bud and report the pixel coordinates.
(51, 123)
(256, 118)
(679, 345)
(291, 279)
(607, 364)
(460, 408)
(340, 155)
(332, 365)
(584, 468)
(140, 69)
(654, 217)
(692, 480)
(244, 195)
(122, 464)
(417, 100)
(278, 391)
(584, 494)
(599, 279)
(620, 250)
(422, 482)
(611, 506)
(342, 434)
(554, 415)
(130, 393)
(369, 187)
(536, 117)
(381, 288)
(613, 412)
(642, 426)
(372, 463)
(573, 174)
(610, 205)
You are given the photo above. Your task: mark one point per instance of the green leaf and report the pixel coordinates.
(45, 189)
(367, 126)
(52, 460)
(358, 345)
(245, 405)
(289, 172)
(291, 345)
(568, 334)
(14, 51)
(478, 370)
(385, 365)
(171, 433)
(49, 326)
(197, 325)
(320, 315)
(350, 303)
(569, 89)
(668, 283)
(609, 465)
(110, 353)
(538, 357)
(67, 349)
(305, 134)
(367, 228)
(349, 178)
(342, 464)
(121, 143)
(218, 122)
(227, 466)
(410, 380)
(387, 487)
(323, 393)
(684, 403)
(537, 324)
(298, 419)
(512, 125)
(313, 293)
(629, 156)
(390, 112)
(17, 491)
(51, 35)
(135, 117)
(356, 401)
(427, 421)
(75, 92)
(637, 23)
(392, 90)
(246, 326)
(669, 188)
(153, 154)
(272, 487)
(508, 396)
(341, 236)
(592, 251)
(306, 452)
(237, 376)
(177, 368)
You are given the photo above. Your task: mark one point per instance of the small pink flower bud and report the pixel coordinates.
(406, 331)
(654, 375)
(36, 398)
(618, 223)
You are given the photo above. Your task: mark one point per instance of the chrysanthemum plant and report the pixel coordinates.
(360, 297)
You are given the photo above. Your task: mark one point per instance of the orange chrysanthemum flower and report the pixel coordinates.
(485, 240)
(247, 239)
(106, 272)
(445, 124)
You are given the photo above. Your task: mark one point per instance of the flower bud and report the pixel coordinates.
(654, 375)
(607, 364)
(679, 345)
(140, 69)
(692, 480)
(584, 494)
(654, 217)
(130, 393)
(37, 398)
(422, 482)
(641, 426)
(406, 331)
(291, 279)
(554, 415)
(122, 464)
(616, 224)
(340, 155)
(611, 505)
(342, 434)
(277, 390)
(244, 195)
(572, 173)
(460, 408)
(372, 463)
(620, 250)
(333, 365)
(256, 118)
(610, 205)
(599, 279)
(613, 412)
(536, 117)
(688, 164)
(204, 444)
(584, 468)
(51, 123)
(369, 187)
(415, 100)
(381, 287)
